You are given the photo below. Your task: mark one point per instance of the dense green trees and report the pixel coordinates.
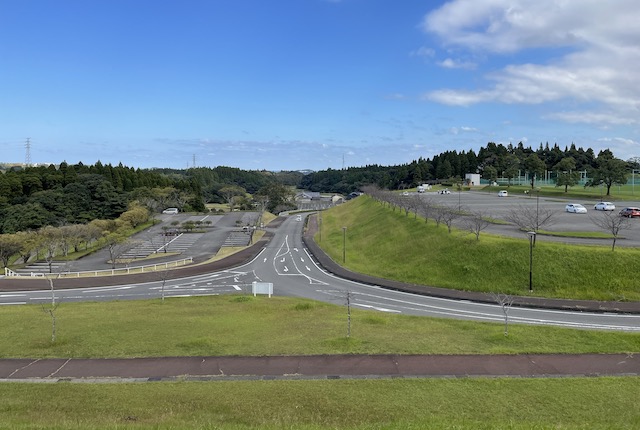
(492, 161)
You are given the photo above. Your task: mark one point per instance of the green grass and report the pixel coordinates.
(247, 325)
(594, 194)
(388, 244)
(474, 403)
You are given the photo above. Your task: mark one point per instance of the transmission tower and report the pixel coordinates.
(194, 161)
(27, 157)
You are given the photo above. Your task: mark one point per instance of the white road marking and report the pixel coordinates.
(376, 308)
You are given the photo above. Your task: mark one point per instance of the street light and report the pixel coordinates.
(344, 244)
(532, 235)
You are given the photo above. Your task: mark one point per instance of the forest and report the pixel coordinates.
(33, 197)
(492, 161)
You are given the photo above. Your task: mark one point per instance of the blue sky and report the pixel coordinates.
(313, 84)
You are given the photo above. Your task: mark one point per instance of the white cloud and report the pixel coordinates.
(600, 67)
(450, 63)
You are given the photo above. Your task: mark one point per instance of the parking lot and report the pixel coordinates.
(493, 206)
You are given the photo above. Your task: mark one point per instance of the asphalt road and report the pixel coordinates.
(496, 207)
(287, 264)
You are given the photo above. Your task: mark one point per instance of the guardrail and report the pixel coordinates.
(105, 272)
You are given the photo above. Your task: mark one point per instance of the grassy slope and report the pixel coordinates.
(391, 245)
(244, 325)
(254, 326)
(567, 403)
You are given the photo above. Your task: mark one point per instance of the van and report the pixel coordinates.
(170, 211)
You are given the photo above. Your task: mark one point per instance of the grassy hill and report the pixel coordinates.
(387, 243)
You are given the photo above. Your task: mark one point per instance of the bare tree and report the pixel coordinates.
(163, 275)
(448, 216)
(118, 245)
(51, 309)
(476, 223)
(426, 207)
(438, 213)
(530, 219)
(348, 297)
(505, 301)
(50, 240)
(612, 224)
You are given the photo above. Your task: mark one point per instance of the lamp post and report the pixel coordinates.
(532, 235)
(344, 244)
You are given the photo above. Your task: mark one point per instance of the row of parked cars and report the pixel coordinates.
(629, 212)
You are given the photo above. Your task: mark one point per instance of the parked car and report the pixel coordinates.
(575, 208)
(171, 211)
(630, 212)
(604, 206)
(445, 191)
(503, 193)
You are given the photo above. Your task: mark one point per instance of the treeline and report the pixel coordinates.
(492, 162)
(34, 197)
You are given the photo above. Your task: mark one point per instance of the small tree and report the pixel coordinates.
(530, 219)
(612, 224)
(505, 301)
(448, 216)
(476, 223)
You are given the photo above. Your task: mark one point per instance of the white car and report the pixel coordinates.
(170, 211)
(575, 208)
(445, 191)
(605, 206)
(503, 193)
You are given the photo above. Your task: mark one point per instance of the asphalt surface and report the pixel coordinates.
(316, 367)
(312, 367)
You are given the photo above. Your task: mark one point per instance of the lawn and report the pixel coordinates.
(386, 243)
(471, 403)
(247, 325)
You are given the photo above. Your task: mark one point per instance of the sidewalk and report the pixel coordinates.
(317, 367)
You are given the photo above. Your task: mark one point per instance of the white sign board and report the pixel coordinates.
(262, 288)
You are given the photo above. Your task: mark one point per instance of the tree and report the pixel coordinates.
(529, 219)
(511, 166)
(612, 224)
(449, 215)
(117, 244)
(136, 215)
(51, 242)
(567, 174)
(609, 171)
(9, 246)
(476, 223)
(490, 173)
(505, 301)
(29, 242)
(229, 193)
(535, 167)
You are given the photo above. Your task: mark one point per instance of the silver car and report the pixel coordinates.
(575, 208)
(605, 206)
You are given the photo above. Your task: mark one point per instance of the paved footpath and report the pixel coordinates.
(316, 367)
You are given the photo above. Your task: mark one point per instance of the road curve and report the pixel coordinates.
(282, 259)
